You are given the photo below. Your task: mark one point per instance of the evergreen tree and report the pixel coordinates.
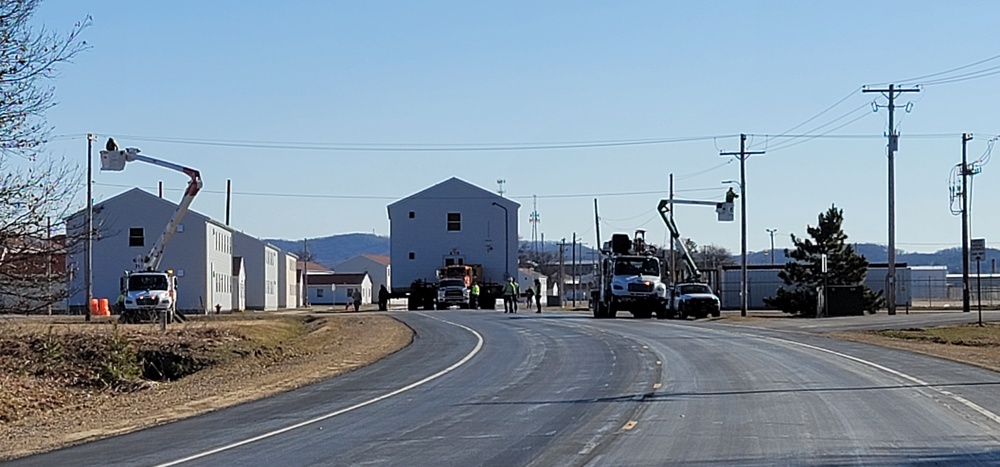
(803, 274)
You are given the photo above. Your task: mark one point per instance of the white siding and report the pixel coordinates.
(185, 254)
(380, 274)
(287, 285)
(421, 241)
(219, 261)
(261, 293)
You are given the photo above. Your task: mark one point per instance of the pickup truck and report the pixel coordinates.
(694, 299)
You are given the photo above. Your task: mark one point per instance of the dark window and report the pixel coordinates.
(412, 215)
(454, 221)
(135, 237)
(449, 261)
(412, 256)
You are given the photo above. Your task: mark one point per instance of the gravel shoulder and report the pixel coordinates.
(234, 360)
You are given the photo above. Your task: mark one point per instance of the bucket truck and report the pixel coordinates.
(690, 296)
(147, 290)
(631, 279)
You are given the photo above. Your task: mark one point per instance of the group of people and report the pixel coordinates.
(512, 293)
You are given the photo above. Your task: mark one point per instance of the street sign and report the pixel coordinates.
(977, 249)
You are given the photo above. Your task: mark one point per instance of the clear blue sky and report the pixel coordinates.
(471, 74)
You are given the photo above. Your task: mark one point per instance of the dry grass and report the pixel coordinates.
(66, 381)
(968, 343)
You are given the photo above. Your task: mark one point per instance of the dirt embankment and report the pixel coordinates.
(63, 381)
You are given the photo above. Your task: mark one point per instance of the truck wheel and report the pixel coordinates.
(411, 304)
(716, 313)
(612, 309)
(662, 313)
(682, 312)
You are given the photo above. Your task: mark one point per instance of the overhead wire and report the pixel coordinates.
(416, 147)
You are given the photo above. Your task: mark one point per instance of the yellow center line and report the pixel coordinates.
(630, 425)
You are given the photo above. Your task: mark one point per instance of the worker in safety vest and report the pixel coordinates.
(731, 195)
(474, 296)
(510, 296)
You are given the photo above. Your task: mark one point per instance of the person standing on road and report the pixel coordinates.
(538, 295)
(517, 293)
(356, 297)
(474, 296)
(383, 298)
(528, 296)
(509, 297)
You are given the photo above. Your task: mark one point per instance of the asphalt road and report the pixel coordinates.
(486, 388)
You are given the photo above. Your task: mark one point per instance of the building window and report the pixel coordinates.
(412, 214)
(319, 292)
(135, 236)
(454, 222)
(412, 255)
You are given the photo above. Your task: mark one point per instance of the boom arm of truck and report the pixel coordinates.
(115, 159)
(694, 275)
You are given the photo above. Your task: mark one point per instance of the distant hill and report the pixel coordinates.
(334, 249)
(950, 257)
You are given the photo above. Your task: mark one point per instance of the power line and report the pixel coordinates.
(416, 147)
(373, 197)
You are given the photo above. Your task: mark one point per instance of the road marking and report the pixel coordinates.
(972, 405)
(464, 360)
(630, 425)
(657, 386)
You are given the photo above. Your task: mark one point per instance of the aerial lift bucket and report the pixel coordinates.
(113, 160)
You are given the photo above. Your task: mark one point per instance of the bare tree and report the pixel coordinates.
(713, 256)
(36, 193)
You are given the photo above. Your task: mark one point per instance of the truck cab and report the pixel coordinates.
(147, 294)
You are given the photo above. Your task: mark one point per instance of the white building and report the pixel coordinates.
(378, 267)
(260, 261)
(929, 282)
(526, 279)
(288, 293)
(239, 286)
(126, 226)
(452, 222)
(337, 288)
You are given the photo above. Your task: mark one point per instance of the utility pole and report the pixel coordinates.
(673, 257)
(88, 262)
(305, 272)
(743, 154)
(534, 219)
(229, 198)
(48, 265)
(966, 137)
(562, 271)
(772, 231)
(890, 278)
(573, 272)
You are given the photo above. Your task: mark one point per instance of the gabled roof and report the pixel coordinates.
(313, 267)
(337, 279)
(378, 258)
(456, 188)
(148, 197)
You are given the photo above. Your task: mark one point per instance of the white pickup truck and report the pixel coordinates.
(694, 299)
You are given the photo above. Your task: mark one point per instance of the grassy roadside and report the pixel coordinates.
(968, 343)
(64, 382)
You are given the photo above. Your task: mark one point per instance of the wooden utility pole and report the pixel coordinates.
(965, 225)
(890, 279)
(743, 154)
